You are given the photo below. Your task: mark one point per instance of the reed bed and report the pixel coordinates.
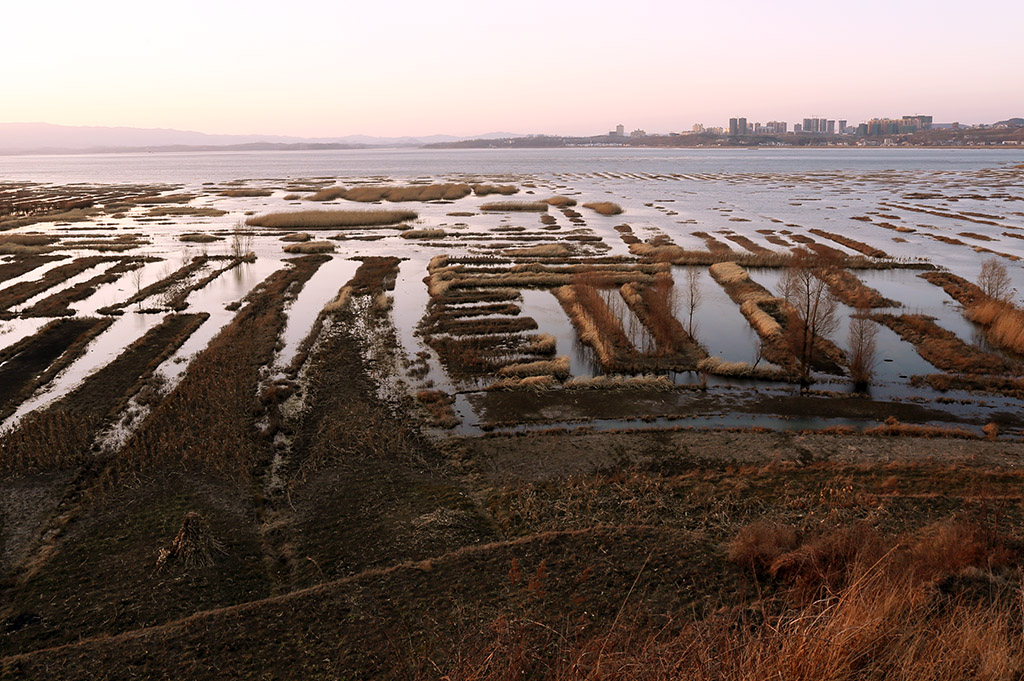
(848, 288)
(423, 234)
(484, 326)
(748, 244)
(943, 348)
(654, 306)
(542, 251)
(310, 247)
(713, 244)
(369, 194)
(1003, 322)
(560, 201)
(958, 288)
(557, 368)
(328, 219)
(595, 323)
(488, 189)
(199, 238)
(439, 405)
(171, 281)
(61, 434)
(515, 206)
(532, 383)
(620, 382)
(604, 207)
(35, 361)
(58, 304)
(719, 367)
(24, 265)
(245, 193)
(296, 237)
(217, 397)
(852, 244)
(893, 428)
(19, 293)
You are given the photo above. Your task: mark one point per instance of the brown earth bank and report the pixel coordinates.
(408, 561)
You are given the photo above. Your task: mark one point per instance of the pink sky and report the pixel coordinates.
(414, 68)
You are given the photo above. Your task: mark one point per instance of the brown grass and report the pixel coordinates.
(327, 219)
(720, 367)
(958, 288)
(423, 234)
(194, 237)
(852, 244)
(245, 193)
(543, 250)
(513, 206)
(310, 247)
(438, 405)
(604, 207)
(1003, 322)
(368, 194)
(19, 293)
(557, 367)
(560, 201)
(943, 348)
(848, 288)
(487, 189)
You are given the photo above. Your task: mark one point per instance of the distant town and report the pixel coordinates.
(913, 131)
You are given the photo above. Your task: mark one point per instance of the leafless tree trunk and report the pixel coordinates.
(813, 306)
(693, 295)
(863, 343)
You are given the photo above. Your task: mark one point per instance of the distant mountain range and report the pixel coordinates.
(46, 138)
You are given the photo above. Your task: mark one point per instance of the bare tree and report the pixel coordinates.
(813, 307)
(693, 295)
(241, 241)
(994, 280)
(862, 346)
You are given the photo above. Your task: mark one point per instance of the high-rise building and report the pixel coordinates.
(734, 126)
(842, 126)
(830, 127)
(741, 124)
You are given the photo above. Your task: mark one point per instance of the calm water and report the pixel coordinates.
(408, 163)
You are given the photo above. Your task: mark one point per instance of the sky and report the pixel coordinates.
(328, 68)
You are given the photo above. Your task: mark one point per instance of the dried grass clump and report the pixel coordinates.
(296, 237)
(759, 545)
(558, 367)
(541, 344)
(199, 238)
(618, 382)
(503, 189)
(720, 367)
(765, 325)
(1003, 322)
(341, 301)
(848, 288)
(327, 219)
(604, 207)
(193, 547)
(542, 251)
(310, 247)
(728, 273)
(439, 405)
(943, 348)
(534, 383)
(423, 234)
(893, 428)
(416, 192)
(852, 244)
(560, 201)
(245, 193)
(513, 206)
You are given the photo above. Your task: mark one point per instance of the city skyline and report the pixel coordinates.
(322, 69)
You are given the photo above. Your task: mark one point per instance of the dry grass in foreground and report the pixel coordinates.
(327, 219)
(941, 604)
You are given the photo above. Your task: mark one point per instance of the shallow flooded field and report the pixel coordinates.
(532, 299)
